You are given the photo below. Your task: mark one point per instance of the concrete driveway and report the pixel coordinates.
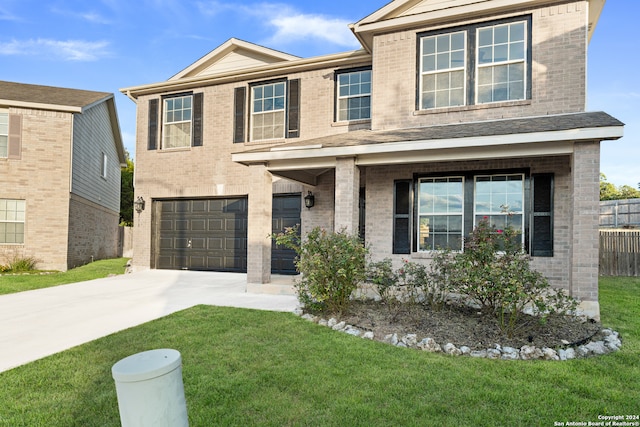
(35, 324)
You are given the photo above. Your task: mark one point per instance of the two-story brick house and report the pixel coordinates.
(60, 157)
(451, 112)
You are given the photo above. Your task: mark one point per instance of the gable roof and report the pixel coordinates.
(400, 14)
(62, 99)
(49, 97)
(233, 55)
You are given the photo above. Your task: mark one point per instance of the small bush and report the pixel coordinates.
(332, 265)
(20, 265)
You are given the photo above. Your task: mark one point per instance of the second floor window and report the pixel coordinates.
(268, 111)
(177, 122)
(354, 95)
(4, 134)
(476, 64)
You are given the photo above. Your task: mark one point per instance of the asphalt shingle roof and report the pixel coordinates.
(49, 95)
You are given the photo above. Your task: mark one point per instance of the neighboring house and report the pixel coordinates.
(60, 157)
(451, 112)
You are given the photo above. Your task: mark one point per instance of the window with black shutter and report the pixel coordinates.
(198, 100)
(401, 217)
(240, 96)
(293, 109)
(542, 215)
(14, 139)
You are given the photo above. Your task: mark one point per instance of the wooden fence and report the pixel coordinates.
(620, 253)
(620, 213)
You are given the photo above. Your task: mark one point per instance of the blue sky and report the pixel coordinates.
(105, 45)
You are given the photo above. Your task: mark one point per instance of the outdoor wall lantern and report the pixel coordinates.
(138, 205)
(309, 200)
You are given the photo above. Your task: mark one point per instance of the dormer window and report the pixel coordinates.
(476, 64)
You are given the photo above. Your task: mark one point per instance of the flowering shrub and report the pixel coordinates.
(494, 272)
(332, 265)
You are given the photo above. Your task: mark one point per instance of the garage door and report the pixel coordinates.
(286, 213)
(202, 234)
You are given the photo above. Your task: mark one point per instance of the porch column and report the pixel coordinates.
(585, 224)
(259, 225)
(347, 195)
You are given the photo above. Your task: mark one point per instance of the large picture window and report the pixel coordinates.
(268, 111)
(444, 209)
(12, 221)
(177, 123)
(475, 64)
(4, 135)
(354, 95)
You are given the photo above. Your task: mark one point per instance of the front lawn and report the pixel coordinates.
(246, 367)
(11, 283)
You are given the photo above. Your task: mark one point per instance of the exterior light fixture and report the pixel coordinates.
(138, 205)
(309, 200)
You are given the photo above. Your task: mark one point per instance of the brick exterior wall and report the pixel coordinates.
(93, 232)
(42, 178)
(559, 37)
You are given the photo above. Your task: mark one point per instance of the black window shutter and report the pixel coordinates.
(401, 217)
(197, 120)
(293, 109)
(240, 98)
(542, 215)
(152, 142)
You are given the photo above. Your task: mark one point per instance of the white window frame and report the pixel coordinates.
(4, 135)
(421, 231)
(175, 119)
(12, 213)
(355, 90)
(509, 62)
(439, 71)
(271, 106)
(503, 211)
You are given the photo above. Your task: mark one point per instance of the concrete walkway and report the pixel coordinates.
(35, 324)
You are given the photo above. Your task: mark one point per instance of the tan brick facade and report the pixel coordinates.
(336, 169)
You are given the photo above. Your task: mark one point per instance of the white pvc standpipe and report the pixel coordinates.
(150, 389)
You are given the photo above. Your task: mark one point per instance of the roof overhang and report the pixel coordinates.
(304, 163)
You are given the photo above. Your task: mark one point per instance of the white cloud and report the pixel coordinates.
(68, 50)
(290, 24)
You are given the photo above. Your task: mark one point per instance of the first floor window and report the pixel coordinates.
(354, 95)
(177, 122)
(268, 111)
(440, 210)
(437, 212)
(4, 134)
(12, 221)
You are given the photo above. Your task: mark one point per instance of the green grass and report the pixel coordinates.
(10, 283)
(246, 367)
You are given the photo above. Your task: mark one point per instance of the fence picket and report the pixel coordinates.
(620, 253)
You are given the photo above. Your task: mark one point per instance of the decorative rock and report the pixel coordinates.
(309, 317)
(339, 326)
(429, 344)
(549, 354)
(451, 349)
(465, 350)
(391, 339)
(351, 330)
(529, 352)
(493, 353)
(411, 340)
(565, 342)
(597, 347)
(298, 311)
(323, 322)
(510, 353)
(478, 353)
(570, 353)
(401, 344)
(332, 322)
(583, 351)
(368, 335)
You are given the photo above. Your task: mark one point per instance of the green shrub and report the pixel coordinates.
(494, 272)
(332, 265)
(20, 265)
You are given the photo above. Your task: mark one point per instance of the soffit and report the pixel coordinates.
(233, 55)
